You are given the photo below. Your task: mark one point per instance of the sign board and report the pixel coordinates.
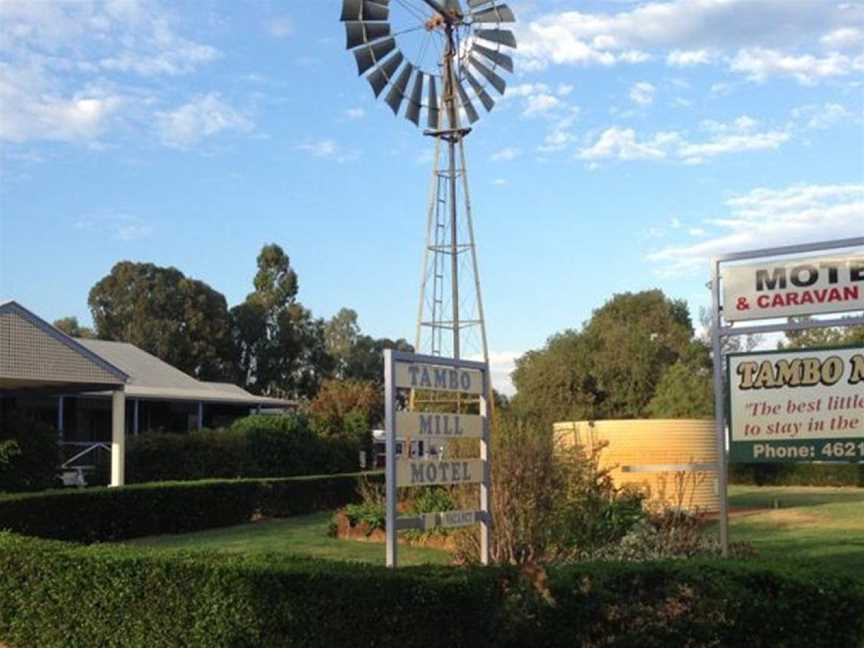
(797, 406)
(428, 472)
(408, 371)
(435, 377)
(438, 426)
(792, 287)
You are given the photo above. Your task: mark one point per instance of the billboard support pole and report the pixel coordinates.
(719, 409)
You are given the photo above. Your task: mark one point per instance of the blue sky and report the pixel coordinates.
(635, 141)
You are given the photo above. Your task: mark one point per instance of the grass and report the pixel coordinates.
(823, 526)
(817, 525)
(304, 535)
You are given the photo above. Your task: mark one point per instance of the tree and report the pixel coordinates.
(729, 344)
(611, 367)
(71, 327)
(341, 334)
(337, 399)
(179, 320)
(822, 337)
(279, 346)
(366, 358)
(684, 391)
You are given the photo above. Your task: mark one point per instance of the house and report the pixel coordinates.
(95, 393)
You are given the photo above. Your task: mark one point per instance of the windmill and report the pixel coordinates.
(438, 59)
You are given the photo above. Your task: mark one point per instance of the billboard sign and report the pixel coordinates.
(793, 287)
(796, 406)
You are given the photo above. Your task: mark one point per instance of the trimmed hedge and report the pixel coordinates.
(253, 447)
(58, 595)
(776, 474)
(108, 514)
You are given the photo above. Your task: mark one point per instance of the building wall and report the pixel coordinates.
(651, 454)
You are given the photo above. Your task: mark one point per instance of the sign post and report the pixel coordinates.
(409, 371)
(805, 284)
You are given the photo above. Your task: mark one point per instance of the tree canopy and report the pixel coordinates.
(279, 346)
(611, 367)
(822, 337)
(71, 327)
(180, 320)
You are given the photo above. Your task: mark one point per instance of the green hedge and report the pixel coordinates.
(255, 446)
(776, 474)
(107, 514)
(58, 595)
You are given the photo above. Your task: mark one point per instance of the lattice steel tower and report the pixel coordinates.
(466, 47)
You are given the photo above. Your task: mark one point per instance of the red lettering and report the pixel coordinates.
(763, 301)
(850, 293)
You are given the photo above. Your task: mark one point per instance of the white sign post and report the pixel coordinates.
(430, 373)
(777, 283)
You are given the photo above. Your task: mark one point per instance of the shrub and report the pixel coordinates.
(200, 454)
(255, 446)
(29, 455)
(55, 595)
(547, 503)
(108, 514)
(776, 474)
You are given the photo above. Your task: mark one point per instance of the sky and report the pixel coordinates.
(635, 141)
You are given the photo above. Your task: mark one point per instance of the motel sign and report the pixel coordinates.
(407, 371)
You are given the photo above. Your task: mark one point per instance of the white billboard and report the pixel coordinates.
(805, 405)
(791, 287)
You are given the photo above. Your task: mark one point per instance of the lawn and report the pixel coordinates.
(815, 525)
(304, 535)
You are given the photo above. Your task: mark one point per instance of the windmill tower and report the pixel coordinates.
(439, 57)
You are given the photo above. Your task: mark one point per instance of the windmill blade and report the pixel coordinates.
(484, 97)
(412, 113)
(380, 76)
(358, 33)
(365, 10)
(467, 105)
(432, 121)
(371, 54)
(497, 82)
(497, 14)
(500, 36)
(397, 90)
(501, 60)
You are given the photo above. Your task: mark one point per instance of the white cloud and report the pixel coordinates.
(564, 89)
(642, 93)
(759, 63)
(506, 154)
(204, 116)
(355, 113)
(621, 143)
(821, 117)
(499, 182)
(281, 27)
(844, 38)
(30, 109)
(540, 104)
(686, 58)
(766, 218)
(328, 149)
(690, 32)
(67, 65)
(738, 136)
